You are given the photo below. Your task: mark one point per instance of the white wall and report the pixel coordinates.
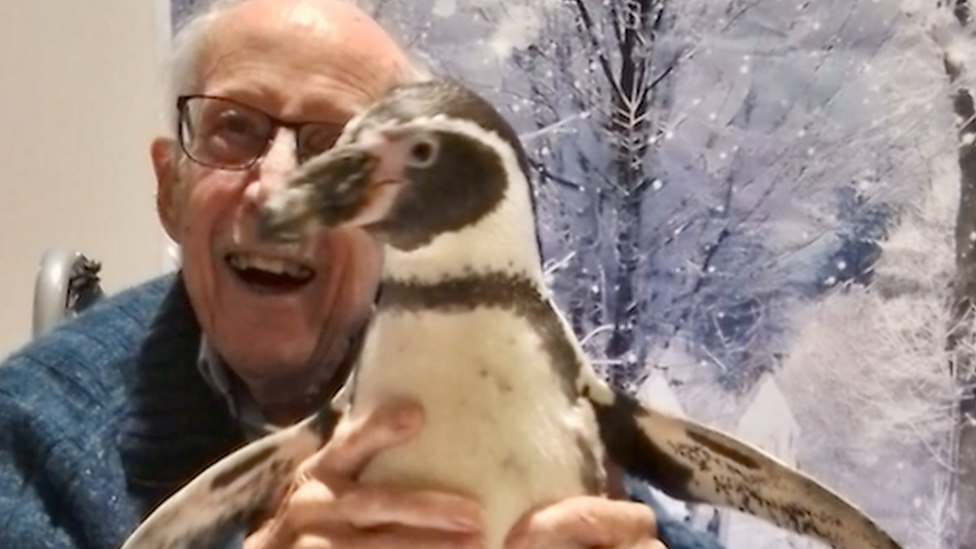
(80, 100)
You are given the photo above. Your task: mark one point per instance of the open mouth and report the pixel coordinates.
(269, 273)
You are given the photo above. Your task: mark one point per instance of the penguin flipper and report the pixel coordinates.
(227, 495)
(692, 462)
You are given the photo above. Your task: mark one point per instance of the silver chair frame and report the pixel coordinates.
(67, 283)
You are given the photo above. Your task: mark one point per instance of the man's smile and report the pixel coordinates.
(269, 273)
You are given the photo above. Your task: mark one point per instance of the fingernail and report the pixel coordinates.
(469, 520)
(406, 418)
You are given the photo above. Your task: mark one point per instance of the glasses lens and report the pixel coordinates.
(222, 133)
(315, 139)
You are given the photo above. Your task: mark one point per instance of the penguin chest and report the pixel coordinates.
(499, 422)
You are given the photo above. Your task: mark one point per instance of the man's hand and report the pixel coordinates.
(587, 522)
(327, 508)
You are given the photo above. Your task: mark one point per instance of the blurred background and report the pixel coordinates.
(751, 209)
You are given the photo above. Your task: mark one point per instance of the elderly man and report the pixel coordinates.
(104, 418)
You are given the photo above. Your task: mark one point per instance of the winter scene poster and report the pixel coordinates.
(759, 214)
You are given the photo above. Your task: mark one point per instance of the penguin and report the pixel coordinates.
(515, 415)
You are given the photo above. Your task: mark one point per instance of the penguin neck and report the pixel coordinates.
(501, 243)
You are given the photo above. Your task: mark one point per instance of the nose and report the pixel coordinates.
(273, 169)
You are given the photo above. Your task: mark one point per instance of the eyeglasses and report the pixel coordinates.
(222, 133)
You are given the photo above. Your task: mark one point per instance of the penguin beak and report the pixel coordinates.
(343, 187)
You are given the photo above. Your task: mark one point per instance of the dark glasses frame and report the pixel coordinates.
(185, 132)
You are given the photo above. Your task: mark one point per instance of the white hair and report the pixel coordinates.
(182, 74)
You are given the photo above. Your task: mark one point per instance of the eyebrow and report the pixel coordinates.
(268, 100)
(279, 119)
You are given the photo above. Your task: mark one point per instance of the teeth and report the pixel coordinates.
(271, 265)
(297, 271)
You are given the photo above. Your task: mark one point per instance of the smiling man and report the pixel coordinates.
(109, 414)
(280, 316)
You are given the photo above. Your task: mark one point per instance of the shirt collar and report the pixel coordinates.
(240, 404)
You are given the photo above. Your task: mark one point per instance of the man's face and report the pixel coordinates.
(299, 61)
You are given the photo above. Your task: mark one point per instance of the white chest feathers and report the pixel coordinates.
(498, 424)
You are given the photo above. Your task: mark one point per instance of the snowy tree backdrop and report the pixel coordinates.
(749, 211)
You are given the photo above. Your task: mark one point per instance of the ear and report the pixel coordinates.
(164, 157)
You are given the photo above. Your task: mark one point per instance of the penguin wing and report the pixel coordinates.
(693, 462)
(226, 496)
(696, 463)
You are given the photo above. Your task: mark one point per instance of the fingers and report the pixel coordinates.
(355, 443)
(327, 508)
(314, 506)
(366, 516)
(587, 522)
(370, 507)
(393, 538)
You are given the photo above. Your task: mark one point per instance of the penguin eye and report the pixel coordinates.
(423, 152)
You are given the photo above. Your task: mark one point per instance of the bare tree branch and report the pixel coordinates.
(584, 14)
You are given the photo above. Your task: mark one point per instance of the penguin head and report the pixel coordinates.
(429, 158)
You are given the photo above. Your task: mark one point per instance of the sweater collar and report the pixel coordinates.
(177, 419)
(174, 425)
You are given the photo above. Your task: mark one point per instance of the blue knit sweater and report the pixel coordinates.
(107, 415)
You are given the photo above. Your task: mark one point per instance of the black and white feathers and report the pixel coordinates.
(514, 414)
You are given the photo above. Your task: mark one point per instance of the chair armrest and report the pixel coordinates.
(67, 283)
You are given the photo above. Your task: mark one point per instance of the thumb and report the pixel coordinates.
(356, 441)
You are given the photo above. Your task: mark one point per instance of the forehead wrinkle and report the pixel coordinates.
(329, 103)
(342, 67)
